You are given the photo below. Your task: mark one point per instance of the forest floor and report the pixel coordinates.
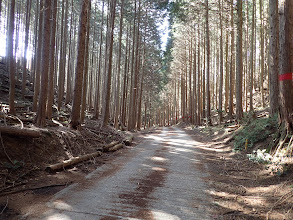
(241, 188)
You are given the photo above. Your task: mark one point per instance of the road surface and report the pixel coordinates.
(157, 179)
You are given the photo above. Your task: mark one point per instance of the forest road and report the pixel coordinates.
(161, 178)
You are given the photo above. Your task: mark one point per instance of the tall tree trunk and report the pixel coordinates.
(27, 25)
(97, 103)
(208, 65)
(194, 86)
(131, 101)
(199, 106)
(52, 60)
(262, 53)
(252, 59)
(86, 68)
(221, 65)
(226, 73)
(126, 61)
(38, 58)
(41, 114)
(69, 69)
(11, 60)
(75, 114)
(239, 63)
(63, 49)
(274, 57)
(232, 65)
(286, 63)
(106, 106)
(117, 104)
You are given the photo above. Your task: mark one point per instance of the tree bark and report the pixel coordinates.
(117, 104)
(41, 114)
(274, 57)
(262, 53)
(239, 63)
(232, 66)
(286, 63)
(86, 68)
(52, 61)
(221, 65)
(11, 57)
(97, 103)
(209, 122)
(38, 58)
(27, 25)
(252, 59)
(106, 106)
(63, 48)
(75, 114)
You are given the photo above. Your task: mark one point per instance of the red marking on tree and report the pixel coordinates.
(286, 76)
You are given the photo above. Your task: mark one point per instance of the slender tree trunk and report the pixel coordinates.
(130, 111)
(97, 104)
(86, 67)
(194, 86)
(252, 59)
(62, 63)
(75, 114)
(24, 69)
(286, 63)
(221, 66)
(226, 73)
(239, 63)
(39, 59)
(41, 114)
(117, 104)
(106, 106)
(124, 97)
(199, 106)
(262, 53)
(208, 65)
(11, 60)
(69, 70)
(232, 66)
(274, 57)
(52, 60)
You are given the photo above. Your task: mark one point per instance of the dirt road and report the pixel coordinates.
(161, 178)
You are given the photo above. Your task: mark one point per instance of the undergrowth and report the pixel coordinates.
(255, 131)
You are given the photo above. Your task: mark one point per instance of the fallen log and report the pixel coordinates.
(128, 140)
(72, 161)
(112, 144)
(16, 131)
(33, 188)
(116, 147)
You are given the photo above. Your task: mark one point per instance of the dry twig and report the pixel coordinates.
(4, 206)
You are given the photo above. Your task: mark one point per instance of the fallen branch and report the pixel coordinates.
(112, 144)
(15, 131)
(33, 188)
(4, 206)
(72, 161)
(128, 140)
(116, 147)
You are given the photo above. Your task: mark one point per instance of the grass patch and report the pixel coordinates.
(255, 131)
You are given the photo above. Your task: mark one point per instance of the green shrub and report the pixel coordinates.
(256, 131)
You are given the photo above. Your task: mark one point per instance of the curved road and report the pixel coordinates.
(158, 179)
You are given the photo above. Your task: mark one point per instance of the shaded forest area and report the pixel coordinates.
(77, 77)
